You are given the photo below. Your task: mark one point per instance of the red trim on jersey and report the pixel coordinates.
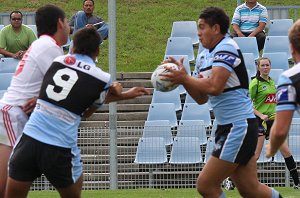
(51, 38)
(7, 124)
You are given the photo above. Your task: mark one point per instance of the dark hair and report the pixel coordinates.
(88, 0)
(258, 63)
(215, 15)
(86, 41)
(46, 19)
(16, 11)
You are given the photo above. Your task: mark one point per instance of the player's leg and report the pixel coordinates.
(260, 142)
(210, 178)
(17, 189)
(73, 191)
(5, 152)
(290, 163)
(246, 181)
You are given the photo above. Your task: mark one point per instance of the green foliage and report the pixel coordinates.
(143, 26)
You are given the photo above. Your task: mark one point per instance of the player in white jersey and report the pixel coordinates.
(287, 95)
(20, 98)
(221, 78)
(72, 87)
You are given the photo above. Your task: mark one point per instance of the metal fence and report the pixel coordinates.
(94, 144)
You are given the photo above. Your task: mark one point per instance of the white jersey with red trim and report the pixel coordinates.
(29, 74)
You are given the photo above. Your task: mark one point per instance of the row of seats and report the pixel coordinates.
(7, 68)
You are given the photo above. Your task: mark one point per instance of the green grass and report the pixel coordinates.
(153, 193)
(143, 26)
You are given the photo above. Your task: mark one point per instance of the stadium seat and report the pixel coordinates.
(158, 128)
(262, 158)
(186, 150)
(209, 148)
(194, 111)
(5, 79)
(275, 73)
(163, 111)
(1, 26)
(187, 67)
(180, 46)
(250, 64)
(34, 29)
(192, 128)
(295, 127)
(168, 97)
(185, 29)
(277, 44)
(279, 60)
(248, 45)
(8, 65)
(151, 151)
(294, 147)
(189, 99)
(279, 27)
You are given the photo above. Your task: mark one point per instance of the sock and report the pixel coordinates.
(222, 195)
(291, 165)
(275, 194)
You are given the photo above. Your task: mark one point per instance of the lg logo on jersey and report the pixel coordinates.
(71, 60)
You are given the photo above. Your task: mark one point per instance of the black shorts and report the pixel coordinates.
(31, 158)
(236, 142)
(261, 130)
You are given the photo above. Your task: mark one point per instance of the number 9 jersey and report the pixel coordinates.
(71, 85)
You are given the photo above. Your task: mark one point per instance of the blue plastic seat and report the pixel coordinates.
(192, 128)
(248, 45)
(8, 65)
(168, 97)
(186, 150)
(185, 29)
(163, 111)
(279, 60)
(279, 27)
(250, 64)
(151, 150)
(275, 73)
(194, 111)
(5, 79)
(158, 128)
(277, 44)
(180, 46)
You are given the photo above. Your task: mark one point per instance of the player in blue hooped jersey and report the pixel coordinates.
(72, 87)
(287, 95)
(220, 76)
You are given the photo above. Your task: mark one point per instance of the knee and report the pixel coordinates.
(201, 186)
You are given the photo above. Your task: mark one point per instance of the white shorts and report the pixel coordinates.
(12, 122)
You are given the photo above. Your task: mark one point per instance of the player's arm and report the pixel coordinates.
(29, 105)
(279, 131)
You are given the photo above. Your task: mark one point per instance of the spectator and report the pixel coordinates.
(86, 18)
(221, 77)
(67, 93)
(15, 38)
(262, 91)
(19, 99)
(249, 20)
(287, 95)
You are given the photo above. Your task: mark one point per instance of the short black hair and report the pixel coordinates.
(88, 0)
(215, 15)
(86, 41)
(16, 11)
(46, 19)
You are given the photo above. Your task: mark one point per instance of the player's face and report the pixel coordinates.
(16, 20)
(205, 34)
(88, 7)
(264, 67)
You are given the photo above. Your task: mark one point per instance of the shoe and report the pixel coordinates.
(228, 184)
(297, 187)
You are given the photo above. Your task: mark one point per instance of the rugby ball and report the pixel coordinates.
(162, 85)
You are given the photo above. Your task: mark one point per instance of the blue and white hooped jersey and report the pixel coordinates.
(288, 90)
(234, 103)
(71, 85)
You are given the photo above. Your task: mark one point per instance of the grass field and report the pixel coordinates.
(153, 193)
(143, 26)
